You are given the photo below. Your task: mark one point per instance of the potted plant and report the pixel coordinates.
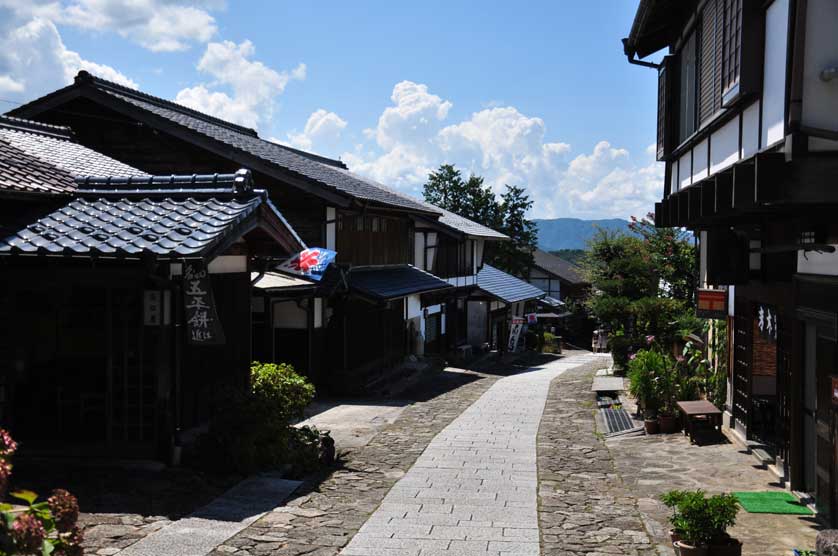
(644, 367)
(700, 523)
(667, 384)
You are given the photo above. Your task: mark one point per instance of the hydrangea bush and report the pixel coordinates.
(31, 527)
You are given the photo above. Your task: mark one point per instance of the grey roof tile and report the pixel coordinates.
(557, 266)
(393, 282)
(506, 287)
(55, 147)
(142, 216)
(329, 173)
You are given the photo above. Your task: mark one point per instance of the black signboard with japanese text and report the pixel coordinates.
(766, 320)
(202, 324)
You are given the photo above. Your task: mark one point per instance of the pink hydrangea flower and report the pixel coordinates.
(8, 446)
(28, 533)
(64, 508)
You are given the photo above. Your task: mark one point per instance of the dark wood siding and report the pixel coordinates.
(373, 239)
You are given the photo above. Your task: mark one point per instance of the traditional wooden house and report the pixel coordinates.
(501, 302)
(451, 247)
(748, 130)
(358, 322)
(126, 308)
(558, 278)
(563, 282)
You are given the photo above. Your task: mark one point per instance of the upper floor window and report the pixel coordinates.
(718, 62)
(687, 89)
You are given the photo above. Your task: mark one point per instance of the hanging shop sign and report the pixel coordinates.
(711, 304)
(766, 318)
(309, 263)
(532, 318)
(515, 333)
(202, 324)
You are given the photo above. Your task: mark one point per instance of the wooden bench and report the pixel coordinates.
(698, 411)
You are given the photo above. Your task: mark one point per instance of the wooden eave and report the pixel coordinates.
(764, 184)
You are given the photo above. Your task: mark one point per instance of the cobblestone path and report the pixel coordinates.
(327, 511)
(584, 508)
(474, 490)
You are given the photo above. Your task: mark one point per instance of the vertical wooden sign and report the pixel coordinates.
(202, 324)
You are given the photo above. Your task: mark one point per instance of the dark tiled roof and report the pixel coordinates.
(469, 227)
(23, 173)
(55, 145)
(143, 216)
(557, 266)
(393, 282)
(321, 170)
(506, 287)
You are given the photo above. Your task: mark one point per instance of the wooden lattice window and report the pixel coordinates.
(709, 60)
(732, 47)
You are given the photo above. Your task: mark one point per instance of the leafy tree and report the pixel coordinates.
(471, 199)
(642, 286)
(515, 256)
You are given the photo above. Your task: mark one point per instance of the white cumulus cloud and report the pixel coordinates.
(413, 137)
(158, 25)
(250, 87)
(34, 60)
(322, 131)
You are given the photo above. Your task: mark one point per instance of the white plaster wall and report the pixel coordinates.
(724, 146)
(702, 258)
(288, 315)
(774, 76)
(330, 228)
(820, 98)
(673, 177)
(817, 263)
(318, 312)
(685, 170)
(750, 130)
(419, 251)
(226, 264)
(700, 161)
(414, 306)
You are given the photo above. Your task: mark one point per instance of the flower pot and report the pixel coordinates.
(731, 547)
(651, 426)
(668, 424)
(685, 549)
(674, 535)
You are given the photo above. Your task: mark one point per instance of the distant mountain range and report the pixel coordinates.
(573, 233)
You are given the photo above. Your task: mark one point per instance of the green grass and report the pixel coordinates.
(771, 502)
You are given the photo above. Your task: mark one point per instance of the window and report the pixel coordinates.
(687, 89)
(732, 46)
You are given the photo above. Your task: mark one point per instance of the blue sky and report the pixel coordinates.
(536, 94)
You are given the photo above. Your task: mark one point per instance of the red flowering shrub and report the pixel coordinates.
(36, 527)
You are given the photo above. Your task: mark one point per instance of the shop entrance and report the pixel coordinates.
(819, 420)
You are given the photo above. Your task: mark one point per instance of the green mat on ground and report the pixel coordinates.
(771, 502)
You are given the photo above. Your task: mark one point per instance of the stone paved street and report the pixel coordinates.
(655, 464)
(328, 510)
(584, 507)
(475, 488)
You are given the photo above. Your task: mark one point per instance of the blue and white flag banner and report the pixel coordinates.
(309, 263)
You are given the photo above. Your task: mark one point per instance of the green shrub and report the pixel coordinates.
(643, 374)
(698, 519)
(279, 386)
(252, 432)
